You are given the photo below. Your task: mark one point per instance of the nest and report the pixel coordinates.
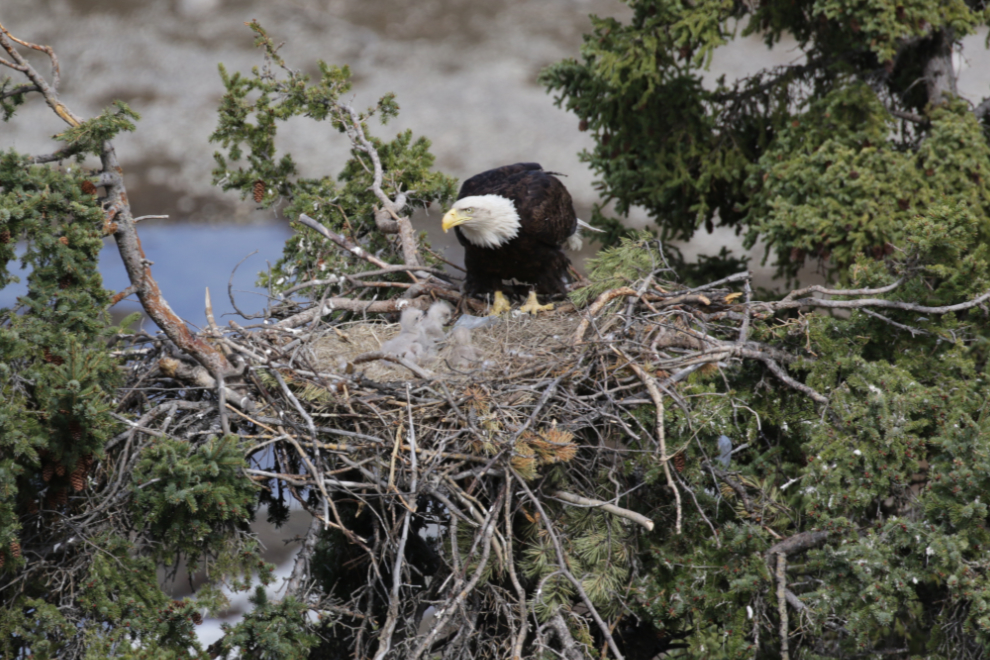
(512, 343)
(522, 438)
(475, 492)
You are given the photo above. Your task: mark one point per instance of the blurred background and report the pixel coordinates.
(464, 72)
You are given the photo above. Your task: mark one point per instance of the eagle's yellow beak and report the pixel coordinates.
(453, 218)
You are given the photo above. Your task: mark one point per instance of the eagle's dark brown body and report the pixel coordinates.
(534, 256)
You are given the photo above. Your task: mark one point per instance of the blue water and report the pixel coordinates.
(187, 259)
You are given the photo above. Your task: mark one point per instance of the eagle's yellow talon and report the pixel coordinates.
(533, 305)
(500, 305)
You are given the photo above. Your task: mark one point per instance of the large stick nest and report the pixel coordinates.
(490, 511)
(461, 480)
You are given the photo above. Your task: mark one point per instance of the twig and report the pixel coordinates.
(379, 355)
(748, 298)
(637, 518)
(342, 241)
(782, 604)
(451, 605)
(914, 331)
(385, 638)
(403, 227)
(300, 568)
(347, 304)
(571, 649)
(654, 391)
(562, 566)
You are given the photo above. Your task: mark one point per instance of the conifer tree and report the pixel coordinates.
(825, 159)
(589, 506)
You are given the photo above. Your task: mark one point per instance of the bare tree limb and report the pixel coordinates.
(657, 397)
(349, 304)
(343, 242)
(572, 650)
(385, 638)
(637, 518)
(390, 207)
(782, 605)
(119, 218)
(871, 302)
(300, 569)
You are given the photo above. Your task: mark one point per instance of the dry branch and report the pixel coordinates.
(637, 518)
(118, 216)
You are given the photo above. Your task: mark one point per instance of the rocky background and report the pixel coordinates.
(464, 72)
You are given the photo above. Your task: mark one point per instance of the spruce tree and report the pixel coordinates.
(582, 507)
(824, 160)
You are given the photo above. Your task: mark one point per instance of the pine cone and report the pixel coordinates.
(680, 462)
(75, 430)
(53, 359)
(259, 191)
(15, 549)
(62, 496)
(32, 506)
(197, 618)
(60, 470)
(5, 236)
(88, 187)
(78, 477)
(47, 471)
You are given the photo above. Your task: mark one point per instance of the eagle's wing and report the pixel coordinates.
(545, 208)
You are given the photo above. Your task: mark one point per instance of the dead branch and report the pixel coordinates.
(637, 518)
(782, 605)
(562, 567)
(651, 387)
(390, 207)
(347, 304)
(197, 376)
(119, 214)
(300, 568)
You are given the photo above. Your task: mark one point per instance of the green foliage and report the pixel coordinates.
(597, 548)
(56, 382)
(32, 624)
(895, 470)
(123, 604)
(192, 498)
(271, 631)
(250, 113)
(55, 372)
(808, 158)
(830, 187)
(630, 261)
(90, 135)
(16, 96)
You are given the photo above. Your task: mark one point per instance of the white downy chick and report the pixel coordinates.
(464, 354)
(404, 346)
(410, 320)
(407, 343)
(431, 328)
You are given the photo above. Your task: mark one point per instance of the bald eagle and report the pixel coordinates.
(512, 222)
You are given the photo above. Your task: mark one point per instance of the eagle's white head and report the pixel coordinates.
(486, 220)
